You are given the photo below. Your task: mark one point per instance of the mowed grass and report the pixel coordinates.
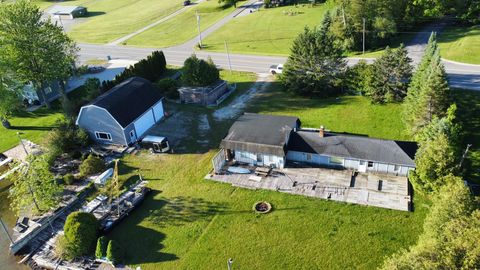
(191, 223)
(112, 19)
(182, 27)
(32, 125)
(353, 114)
(461, 44)
(268, 31)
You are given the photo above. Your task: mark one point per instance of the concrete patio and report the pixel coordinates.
(386, 191)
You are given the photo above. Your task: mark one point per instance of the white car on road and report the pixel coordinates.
(276, 69)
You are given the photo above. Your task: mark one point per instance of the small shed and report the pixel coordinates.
(68, 12)
(208, 95)
(122, 115)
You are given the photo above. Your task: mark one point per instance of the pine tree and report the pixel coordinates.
(391, 75)
(316, 64)
(428, 94)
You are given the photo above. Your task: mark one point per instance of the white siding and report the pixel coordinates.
(308, 158)
(143, 123)
(266, 160)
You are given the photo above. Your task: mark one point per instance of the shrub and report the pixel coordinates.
(81, 231)
(168, 88)
(92, 88)
(114, 252)
(62, 249)
(101, 250)
(66, 138)
(69, 179)
(198, 72)
(92, 165)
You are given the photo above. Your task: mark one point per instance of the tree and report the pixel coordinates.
(114, 252)
(391, 75)
(9, 99)
(358, 77)
(92, 88)
(316, 65)
(101, 250)
(34, 187)
(33, 48)
(437, 154)
(81, 230)
(198, 72)
(450, 234)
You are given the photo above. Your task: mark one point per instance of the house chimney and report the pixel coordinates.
(321, 132)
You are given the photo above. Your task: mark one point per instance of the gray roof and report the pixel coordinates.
(353, 146)
(129, 100)
(260, 133)
(57, 9)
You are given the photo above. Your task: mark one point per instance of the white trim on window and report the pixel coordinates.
(103, 136)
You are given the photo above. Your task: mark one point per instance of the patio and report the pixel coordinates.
(386, 191)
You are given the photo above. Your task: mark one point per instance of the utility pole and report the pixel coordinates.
(343, 15)
(228, 56)
(363, 35)
(6, 231)
(199, 32)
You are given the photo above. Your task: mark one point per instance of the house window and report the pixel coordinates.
(103, 136)
(396, 168)
(336, 161)
(309, 157)
(362, 162)
(132, 134)
(370, 164)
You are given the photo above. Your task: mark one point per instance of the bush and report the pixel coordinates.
(101, 250)
(168, 87)
(150, 68)
(69, 179)
(92, 165)
(198, 72)
(66, 138)
(92, 88)
(81, 231)
(114, 252)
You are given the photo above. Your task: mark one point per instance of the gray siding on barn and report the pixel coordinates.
(308, 158)
(93, 119)
(127, 131)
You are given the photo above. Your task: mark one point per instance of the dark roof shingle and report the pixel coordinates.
(353, 146)
(129, 99)
(260, 133)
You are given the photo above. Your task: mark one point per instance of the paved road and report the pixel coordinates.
(460, 75)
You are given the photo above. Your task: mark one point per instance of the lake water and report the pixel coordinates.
(7, 262)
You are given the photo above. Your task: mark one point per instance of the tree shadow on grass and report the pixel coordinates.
(43, 128)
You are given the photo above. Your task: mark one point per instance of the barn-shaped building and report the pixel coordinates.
(123, 114)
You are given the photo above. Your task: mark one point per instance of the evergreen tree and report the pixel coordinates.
(438, 153)
(101, 250)
(316, 64)
(114, 252)
(428, 94)
(391, 74)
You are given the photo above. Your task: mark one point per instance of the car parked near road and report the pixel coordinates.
(276, 69)
(187, 2)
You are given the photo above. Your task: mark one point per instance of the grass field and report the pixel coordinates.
(461, 44)
(182, 27)
(33, 126)
(192, 223)
(268, 31)
(112, 19)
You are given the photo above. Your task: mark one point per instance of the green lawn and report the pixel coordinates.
(33, 125)
(192, 223)
(112, 19)
(268, 31)
(182, 27)
(461, 44)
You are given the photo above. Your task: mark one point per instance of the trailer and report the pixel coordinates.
(156, 144)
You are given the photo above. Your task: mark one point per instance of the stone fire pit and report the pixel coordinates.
(262, 207)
